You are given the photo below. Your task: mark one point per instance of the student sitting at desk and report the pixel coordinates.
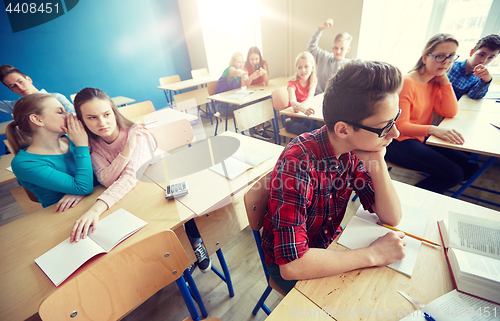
(118, 149)
(312, 181)
(22, 85)
(55, 167)
(257, 68)
(426, 89)
(301, 91)
(258, 73)
(471, 76)
(329, 63)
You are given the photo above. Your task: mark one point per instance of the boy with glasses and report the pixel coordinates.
(22, 85)
(471, 76)
(313, 179)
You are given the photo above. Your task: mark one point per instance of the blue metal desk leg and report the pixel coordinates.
(195, 293)
(181, 283)
(474, 177)
(226, 277)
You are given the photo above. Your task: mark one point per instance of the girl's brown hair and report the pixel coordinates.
(253, 50)
(19, 131)
(429, 48)
(87, 94)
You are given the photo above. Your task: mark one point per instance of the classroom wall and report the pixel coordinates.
(192, 30)
(120, 46)
(287, 26)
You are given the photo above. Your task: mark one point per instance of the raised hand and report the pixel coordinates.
(327, 24)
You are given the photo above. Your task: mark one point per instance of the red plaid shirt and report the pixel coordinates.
(310, 190)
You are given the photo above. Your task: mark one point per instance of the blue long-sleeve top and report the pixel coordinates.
(50, 177)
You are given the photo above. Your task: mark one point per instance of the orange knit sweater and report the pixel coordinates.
(417, 101)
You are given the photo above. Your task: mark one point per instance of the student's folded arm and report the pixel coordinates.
(445, 103)
(479, 90)
(47, 177)
(127, 178)
(105, 171)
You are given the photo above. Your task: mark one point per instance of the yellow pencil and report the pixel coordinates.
(408, 234)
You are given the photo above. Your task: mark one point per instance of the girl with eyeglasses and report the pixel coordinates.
(427, 92)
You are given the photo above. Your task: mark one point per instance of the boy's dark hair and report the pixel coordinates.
(492, 42)
(6, 70)
(353, 93)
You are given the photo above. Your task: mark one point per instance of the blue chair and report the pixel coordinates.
(256, 204)
(122, 280)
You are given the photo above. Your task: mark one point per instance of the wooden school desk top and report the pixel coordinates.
(261, 92)
(188, 83)
(475, 126)
(23, 285)
(375, 289)
(209, 190)
(5, 175)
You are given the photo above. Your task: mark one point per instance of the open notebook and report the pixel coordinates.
(65, 258)
(363, 229)
(240, 94)
(240, 162)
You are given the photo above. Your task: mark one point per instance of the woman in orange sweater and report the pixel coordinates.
(427, 89)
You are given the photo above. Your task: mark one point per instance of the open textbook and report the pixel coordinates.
(363, 229)
(240, 162)
(65, 258)
(456, 306)
(472, 248)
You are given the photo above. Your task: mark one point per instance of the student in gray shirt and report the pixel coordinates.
(22, 85)
(327, 63)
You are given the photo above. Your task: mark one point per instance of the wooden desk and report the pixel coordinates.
(3, 126)
(295, 306)
(376, 288)
(23, 286)
(173, 88)
(166, 115)
(482, 105)
(316, 104)
(261, 92)
(122, 101)
(208, 190)
(5, 175)
(480, 137)
(176, 86)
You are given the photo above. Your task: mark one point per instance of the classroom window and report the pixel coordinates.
(228, 26)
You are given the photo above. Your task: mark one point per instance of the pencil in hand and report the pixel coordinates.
(408, 234)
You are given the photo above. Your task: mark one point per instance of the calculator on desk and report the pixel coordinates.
(176, 190)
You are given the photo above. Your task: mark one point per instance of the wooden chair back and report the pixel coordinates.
(173, 135)
(199, 96)
(198, 73)
(135, 111)
(254, 115)
(119, 281)
(256, 202)
(169, 80)
(72, 96)
(280, 98)
(211, 87)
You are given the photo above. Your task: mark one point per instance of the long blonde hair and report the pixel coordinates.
(234, 57)
(310, 59)
(20, 131)
(429, 48)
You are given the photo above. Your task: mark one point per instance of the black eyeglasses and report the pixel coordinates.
(381, 132)
(442, 58)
